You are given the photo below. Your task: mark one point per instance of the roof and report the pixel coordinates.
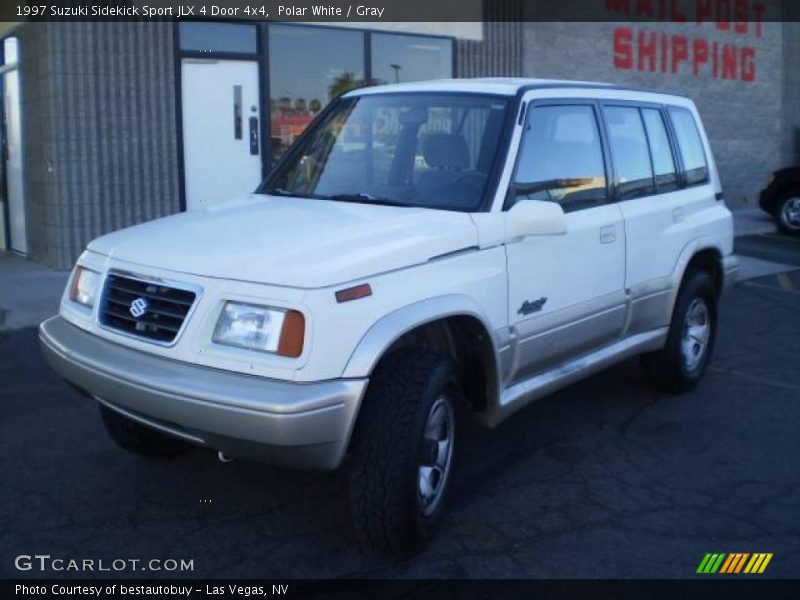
(504, 86)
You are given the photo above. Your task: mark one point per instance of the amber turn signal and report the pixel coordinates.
(292, 334)
(354, 293)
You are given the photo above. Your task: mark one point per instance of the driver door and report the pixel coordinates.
(566, 292)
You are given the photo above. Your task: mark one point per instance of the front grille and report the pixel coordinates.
(158, 313)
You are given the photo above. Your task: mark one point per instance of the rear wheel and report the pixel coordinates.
(404, 451)
(139, 439)
(788, 214)
(680, 365)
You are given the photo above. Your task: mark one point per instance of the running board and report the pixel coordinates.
(523, 393)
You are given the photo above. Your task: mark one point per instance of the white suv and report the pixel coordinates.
(423, 252)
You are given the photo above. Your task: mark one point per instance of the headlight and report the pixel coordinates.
(261, 328)
(83, 287)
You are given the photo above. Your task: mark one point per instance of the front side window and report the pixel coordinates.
(433, 151)
(629, 150)
(690, 145)
(561, 157)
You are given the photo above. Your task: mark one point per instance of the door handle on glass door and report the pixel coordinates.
(608, 234)
(253, 135)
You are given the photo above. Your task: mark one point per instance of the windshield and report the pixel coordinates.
(425, 150)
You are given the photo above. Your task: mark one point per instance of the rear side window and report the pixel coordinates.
(663, 162)
(561, 158)
(628, 141)
(690, 145)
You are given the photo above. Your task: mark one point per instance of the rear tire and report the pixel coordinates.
(139, 439)
(404, 450)
(679, 366)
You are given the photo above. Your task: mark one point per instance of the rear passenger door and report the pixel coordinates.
(566, 292)
(660, 179)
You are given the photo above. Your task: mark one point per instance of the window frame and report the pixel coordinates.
(608, 168)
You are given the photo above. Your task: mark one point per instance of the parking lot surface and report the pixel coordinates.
(606, 478)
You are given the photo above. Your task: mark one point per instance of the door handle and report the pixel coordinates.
(608, 234)
(678, 215)
(253, 135)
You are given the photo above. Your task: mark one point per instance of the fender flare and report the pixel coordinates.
(392, 326)
(689, 250)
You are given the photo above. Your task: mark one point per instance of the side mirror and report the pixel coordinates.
(535, 217)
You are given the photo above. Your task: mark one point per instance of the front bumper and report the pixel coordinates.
(282, 423)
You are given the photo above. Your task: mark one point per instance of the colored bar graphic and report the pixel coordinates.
(734, 562)
(703, 563)
(765, 563)
(711, 563)
(727, 564)
(716, 565)
(741, 562)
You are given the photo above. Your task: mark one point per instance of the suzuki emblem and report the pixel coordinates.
(138, 307)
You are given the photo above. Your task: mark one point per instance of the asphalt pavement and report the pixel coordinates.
(606, 478)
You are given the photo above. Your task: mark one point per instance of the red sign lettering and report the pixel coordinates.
(647, 49)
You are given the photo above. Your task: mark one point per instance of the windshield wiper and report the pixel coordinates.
(365, 199)
(279, 192)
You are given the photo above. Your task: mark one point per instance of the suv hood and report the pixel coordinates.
(295, 242)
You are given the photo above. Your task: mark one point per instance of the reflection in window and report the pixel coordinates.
(629, 149)
(663, 162)
(690, 145)
(561, 158)
(431, 150)
(308, 67)
(402, 58)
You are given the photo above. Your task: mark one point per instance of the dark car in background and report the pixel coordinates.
(781, 199)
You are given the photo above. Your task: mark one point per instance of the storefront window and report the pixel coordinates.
(308, 67)
(218, 37)
(402, 58)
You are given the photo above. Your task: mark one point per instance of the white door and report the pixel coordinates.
(566, 292)
(221, 129)
(660, 218)
(13, 171)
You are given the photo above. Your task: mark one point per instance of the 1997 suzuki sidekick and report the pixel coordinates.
(423, 251)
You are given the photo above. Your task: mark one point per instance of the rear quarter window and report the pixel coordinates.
(690, 145)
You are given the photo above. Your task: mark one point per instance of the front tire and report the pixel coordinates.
(788, 214)
(140, 440)
(680, 365)
(404, 450)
